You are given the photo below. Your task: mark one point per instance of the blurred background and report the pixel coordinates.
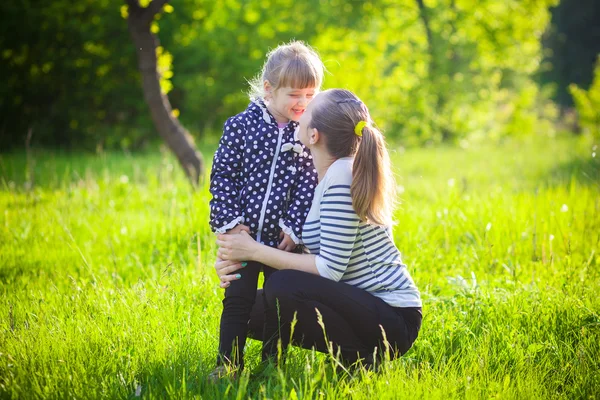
(431, 71)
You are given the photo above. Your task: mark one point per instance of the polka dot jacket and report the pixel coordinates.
(262, 176)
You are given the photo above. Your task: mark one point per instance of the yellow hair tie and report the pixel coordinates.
(359, 127)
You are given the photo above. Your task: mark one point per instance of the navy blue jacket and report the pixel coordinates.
(262, 176)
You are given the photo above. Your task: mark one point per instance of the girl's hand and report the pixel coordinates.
(237, 247)
(287, 243)
(226, 270)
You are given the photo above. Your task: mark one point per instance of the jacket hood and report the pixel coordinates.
(258, 108)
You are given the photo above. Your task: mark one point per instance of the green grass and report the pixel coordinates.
(107, 282)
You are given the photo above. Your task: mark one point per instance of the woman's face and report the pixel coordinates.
(304, 131)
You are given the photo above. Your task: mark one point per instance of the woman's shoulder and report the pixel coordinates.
(340, 172)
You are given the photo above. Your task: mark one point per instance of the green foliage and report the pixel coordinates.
(473, 80)
(438, 70)
(218, 46)
(107, 287)
(469, 77)
(588, 104)
(70, 74)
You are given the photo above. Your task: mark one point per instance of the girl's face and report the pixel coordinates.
(290, 103)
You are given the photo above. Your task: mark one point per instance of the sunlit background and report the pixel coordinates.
(431, 71)
(492, 113)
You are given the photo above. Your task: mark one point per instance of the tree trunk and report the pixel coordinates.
(430, 45)
(434, 70)
(167, 125)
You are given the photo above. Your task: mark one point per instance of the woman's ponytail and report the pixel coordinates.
(345, 123)
(372, 187)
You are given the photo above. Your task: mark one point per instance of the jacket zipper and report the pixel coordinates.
(269, 187)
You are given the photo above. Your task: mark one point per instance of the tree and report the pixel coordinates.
(139, 20)
(68, 76)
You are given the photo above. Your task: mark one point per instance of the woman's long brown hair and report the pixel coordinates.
(373, 189)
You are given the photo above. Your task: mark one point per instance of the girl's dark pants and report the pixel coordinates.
(240, 298)
(352, 318)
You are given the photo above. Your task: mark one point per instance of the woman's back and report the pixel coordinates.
(352, 251)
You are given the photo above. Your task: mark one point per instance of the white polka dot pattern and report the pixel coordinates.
(242, 170)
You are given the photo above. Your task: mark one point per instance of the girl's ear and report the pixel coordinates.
(268, 89)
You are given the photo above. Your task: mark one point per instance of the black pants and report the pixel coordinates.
(240, 298)
(353, 318)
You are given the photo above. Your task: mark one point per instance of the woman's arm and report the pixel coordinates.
(280, 259)
(241, 247)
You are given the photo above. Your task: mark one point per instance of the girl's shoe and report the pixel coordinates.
(223, 372)
(264, 370)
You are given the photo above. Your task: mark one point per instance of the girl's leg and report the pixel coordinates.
(237, 305)
(352, 317)
(257, 315)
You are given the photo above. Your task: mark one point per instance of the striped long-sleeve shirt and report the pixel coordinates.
(350, 250)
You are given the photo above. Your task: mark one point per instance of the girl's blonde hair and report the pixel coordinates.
(373, 190)
(294, 65)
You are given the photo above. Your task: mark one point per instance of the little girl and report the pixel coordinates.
(263, 179)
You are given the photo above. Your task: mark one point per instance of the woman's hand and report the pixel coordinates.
(226, 270)
(238, 228)
(236, 247)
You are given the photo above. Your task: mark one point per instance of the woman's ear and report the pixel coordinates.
(313, 136)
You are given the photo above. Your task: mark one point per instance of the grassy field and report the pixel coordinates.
(108, 289)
